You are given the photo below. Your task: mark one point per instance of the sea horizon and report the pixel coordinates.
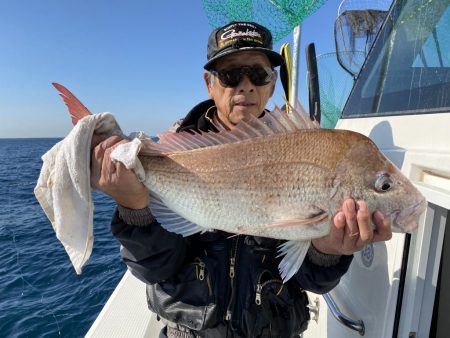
(32, 138)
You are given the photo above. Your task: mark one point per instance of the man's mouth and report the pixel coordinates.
(244, 104)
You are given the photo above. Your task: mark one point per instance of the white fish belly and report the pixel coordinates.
(257, 200)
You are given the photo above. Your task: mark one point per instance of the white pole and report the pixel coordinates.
(296, 35)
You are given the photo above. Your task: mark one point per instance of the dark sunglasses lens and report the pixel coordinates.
(230, 78)
(259, 76)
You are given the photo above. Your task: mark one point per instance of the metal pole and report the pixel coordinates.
(296, 35)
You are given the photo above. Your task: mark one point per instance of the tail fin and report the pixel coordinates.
(76, 109)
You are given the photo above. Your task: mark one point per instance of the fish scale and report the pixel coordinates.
(236, 175)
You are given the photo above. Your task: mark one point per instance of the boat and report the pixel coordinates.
(401, 100)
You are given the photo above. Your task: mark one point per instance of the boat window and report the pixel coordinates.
(408, 68)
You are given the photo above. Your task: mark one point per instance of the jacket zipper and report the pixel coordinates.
(260, 287)
(200, 273)
(232, 275)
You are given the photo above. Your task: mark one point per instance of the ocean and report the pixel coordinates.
(40, 293)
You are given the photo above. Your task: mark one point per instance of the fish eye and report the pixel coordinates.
(383, 183)
(386, 186)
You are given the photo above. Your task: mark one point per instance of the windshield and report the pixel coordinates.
(408, 69)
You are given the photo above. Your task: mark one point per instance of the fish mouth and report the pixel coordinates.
(406, 220)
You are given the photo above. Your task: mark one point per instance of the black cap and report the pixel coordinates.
(241, 37)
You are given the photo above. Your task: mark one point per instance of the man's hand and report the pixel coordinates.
(352, 230)
(114, 179)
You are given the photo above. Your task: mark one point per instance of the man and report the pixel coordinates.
(214, 285)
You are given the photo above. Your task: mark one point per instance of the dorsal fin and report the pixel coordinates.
(76, 109)
(274, 122)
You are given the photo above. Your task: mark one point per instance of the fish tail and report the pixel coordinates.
(76, 109)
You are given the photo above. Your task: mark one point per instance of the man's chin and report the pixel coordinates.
(240, 113)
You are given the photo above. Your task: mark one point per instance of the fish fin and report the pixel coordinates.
(298, 222)
(274, 122)
(170, 220)
(335, 187)
(154, 148)
(318, 217)
(301, 118)
(294, 253)
(76, 109)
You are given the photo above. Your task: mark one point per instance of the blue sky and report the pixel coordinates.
(140, 60)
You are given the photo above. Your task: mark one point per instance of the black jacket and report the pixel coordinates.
(221, 286)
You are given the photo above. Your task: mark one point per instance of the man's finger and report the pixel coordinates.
(100, 149)
(110, 145)
(112, 141)
(100, 162)
(383, 231)
(337, 230)
(349, 210)
(97, 139)
(339, 220)
(364, 222)
(96, 165)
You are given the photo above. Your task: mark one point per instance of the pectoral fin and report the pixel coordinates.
(285, 223)
(170, 220)
(294, 253)
(298, 222)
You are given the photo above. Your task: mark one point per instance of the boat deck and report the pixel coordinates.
(126, 313)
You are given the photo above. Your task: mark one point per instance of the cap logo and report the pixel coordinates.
(232, 34)
(238, 37)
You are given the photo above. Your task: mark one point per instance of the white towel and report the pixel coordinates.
(64, 187)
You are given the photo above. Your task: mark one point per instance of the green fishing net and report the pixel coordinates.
(279, 16)
(335, 85)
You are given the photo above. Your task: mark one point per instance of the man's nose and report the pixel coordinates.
(245, 84)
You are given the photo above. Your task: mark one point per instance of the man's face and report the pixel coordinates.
(244, 99)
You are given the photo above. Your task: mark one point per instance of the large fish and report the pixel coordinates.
(278, 176)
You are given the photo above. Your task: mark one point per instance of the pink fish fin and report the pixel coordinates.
(274, 122)
(290, 223)
(301, 118)
(284, 119)
(170, 220)
(294, 253)
(298, 222)
(152, 148)
(76, 109)
(183, 141)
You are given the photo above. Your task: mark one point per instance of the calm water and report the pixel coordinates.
(40, 293)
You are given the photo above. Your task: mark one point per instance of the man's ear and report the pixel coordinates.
(208, 82)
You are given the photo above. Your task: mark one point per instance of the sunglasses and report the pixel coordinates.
(259, 76)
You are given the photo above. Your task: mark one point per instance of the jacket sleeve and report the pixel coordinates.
(151, 253)
(317, 277)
